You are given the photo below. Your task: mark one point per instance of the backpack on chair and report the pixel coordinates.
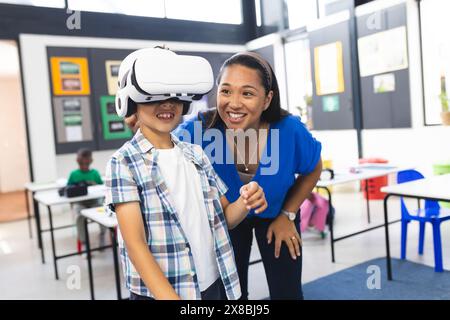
(314, 213)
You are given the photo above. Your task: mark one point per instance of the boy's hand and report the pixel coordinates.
(253, 196)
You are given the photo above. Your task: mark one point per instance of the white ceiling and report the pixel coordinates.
(9, 59)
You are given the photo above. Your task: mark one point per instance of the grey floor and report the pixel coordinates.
(23, 276)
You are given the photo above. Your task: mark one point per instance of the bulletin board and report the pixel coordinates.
(73, 119)
(329, 69)
(383, 52)
(332, 73)
(70, 76)
(70, 83)
(113, 127)
(112, 72)
(384, 70)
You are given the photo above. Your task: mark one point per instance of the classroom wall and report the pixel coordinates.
(420, 146)
(46, 164)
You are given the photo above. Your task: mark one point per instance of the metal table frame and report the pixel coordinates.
(387, 223)
(333, 240)
(52, 229)
(113, 246)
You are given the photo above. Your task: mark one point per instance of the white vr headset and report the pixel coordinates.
(156, 74)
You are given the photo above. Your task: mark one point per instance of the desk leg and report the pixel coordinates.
(89, 259)
(367, 200)
(330, 212)
(53, 242)
(386, 230)
(30, 230)
(116, 262)
(38, 227)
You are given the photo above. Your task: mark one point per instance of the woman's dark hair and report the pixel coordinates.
(274, 112)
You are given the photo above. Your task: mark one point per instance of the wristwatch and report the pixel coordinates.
(290, 215)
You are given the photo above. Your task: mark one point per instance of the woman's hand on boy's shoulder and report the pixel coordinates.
(253, 197)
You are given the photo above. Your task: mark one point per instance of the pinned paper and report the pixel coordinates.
(70, 76)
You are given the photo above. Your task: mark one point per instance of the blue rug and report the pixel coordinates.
(412, 281)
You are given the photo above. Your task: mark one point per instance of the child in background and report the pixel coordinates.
(90, 177)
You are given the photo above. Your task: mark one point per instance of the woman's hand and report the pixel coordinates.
(284, 231)
(253, 197)
(132, 122)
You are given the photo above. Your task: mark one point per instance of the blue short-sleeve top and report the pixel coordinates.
(290, 150)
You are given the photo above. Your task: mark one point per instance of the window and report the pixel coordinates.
(300, 13)
(38, 3)
(154, 8)
(258, 12)
(220, 11)
(299, 79)
(436, 58)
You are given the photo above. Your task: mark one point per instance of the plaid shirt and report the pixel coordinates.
(132, 174)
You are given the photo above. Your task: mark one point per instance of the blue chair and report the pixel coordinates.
(431, 213)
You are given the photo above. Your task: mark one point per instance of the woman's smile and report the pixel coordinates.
(236, 117)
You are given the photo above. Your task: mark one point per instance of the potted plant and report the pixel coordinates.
(445, 113)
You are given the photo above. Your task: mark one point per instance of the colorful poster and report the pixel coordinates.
(112, 72)
(113, 126)
(72, 120)
(384, 83)
(383, 52)
(70, 76)
(330, 103)
(329, 69)
(72, 116)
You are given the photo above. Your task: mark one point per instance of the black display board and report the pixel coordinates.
(73, 119)
(392, 108)
(102, 61)
(340, 114)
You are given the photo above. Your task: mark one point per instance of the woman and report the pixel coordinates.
(248, 101)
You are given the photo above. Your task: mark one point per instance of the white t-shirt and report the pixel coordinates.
(183, 182)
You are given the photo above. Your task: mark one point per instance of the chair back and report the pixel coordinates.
(411, 175)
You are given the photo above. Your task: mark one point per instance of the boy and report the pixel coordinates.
(90, 177)
(84, 173)
(170, 204)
